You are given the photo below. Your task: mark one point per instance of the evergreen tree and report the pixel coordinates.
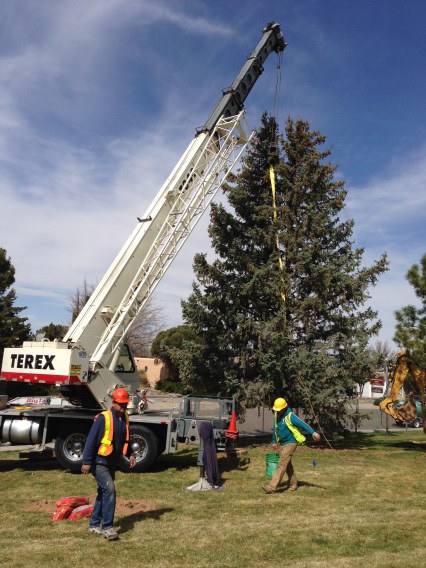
(14, 329)
(410, 331)
(171, 347)
(296, 331)
(53, 331)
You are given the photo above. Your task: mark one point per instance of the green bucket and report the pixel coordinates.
(271, 464)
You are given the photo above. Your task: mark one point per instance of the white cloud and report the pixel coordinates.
(71, 202)
(70, 205)
(396, 197)
(389, 214)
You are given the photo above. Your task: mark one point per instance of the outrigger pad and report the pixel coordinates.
(201, 485)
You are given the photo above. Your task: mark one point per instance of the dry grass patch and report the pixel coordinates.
(360, 506)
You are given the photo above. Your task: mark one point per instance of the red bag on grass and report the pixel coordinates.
(72, 502)
(81, 513)
(61, 513)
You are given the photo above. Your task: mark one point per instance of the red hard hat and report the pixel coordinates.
(121, 396)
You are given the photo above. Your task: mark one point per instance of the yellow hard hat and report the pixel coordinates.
(279, 404)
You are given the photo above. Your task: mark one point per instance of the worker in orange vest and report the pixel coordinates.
(108, 439)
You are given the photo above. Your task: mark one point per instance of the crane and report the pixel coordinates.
(102, 325)
(93, 359)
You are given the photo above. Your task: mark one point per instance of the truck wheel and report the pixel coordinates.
(161, 445)
(69, 448)
(143, 443)
(416, 423)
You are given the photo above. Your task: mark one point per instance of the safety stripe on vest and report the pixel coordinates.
(299, 437)
(105, 447)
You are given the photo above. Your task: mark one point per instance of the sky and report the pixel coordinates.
(99, 99)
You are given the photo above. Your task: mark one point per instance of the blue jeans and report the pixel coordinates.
(104, 508)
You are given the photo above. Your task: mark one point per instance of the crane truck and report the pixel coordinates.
(93, 358)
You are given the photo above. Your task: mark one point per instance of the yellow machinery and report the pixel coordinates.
(415, 384)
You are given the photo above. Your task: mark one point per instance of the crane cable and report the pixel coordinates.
(277, 239)
(317, 420)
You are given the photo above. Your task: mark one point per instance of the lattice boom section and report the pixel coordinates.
(223, 149)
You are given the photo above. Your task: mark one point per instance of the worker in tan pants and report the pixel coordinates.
(286, 433)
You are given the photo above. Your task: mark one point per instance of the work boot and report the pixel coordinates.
(96, 530)
(110, 533)
(266, 489)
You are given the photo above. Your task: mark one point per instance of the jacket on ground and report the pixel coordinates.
(210, 461)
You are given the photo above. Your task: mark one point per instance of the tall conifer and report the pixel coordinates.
(298, 331)
(14, 329)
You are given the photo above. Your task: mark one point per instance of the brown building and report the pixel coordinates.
(153, 368)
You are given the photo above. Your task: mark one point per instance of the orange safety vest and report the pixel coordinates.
(105, 448)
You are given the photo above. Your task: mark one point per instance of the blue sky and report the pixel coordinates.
(99, 99)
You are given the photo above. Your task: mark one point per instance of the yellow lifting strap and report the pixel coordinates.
(280, 261)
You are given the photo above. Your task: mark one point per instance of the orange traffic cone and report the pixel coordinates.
(232, 431)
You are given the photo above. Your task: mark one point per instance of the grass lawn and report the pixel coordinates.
(361, 506)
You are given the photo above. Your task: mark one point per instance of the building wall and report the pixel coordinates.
(154, 369)
(376, 387)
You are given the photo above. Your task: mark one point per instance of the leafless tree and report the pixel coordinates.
(148, 323)
(383, 353)
(144, 329)
(77, 299)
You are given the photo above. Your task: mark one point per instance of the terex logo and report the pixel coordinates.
(32, 361)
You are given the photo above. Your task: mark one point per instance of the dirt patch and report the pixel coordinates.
(124, 506)
(133, 507)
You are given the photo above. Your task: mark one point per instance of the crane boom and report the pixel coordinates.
(172, 215)
(101, 327)
(155, 242)
(233, 98)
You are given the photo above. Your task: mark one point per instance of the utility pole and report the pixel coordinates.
(386, 390)
(357, 409)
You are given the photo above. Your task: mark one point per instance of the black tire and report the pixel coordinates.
(143, 442)
(161, 444)
(69, 447)
(416, 423)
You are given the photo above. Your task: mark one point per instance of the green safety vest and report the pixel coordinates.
(299, 437)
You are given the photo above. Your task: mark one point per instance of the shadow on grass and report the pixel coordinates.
(234, 463)
(253, 441)
(359, 441)
(300, 484)
(128, 523)
(29, 465)
(187, 459)
(183, 460)
(362, 441)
